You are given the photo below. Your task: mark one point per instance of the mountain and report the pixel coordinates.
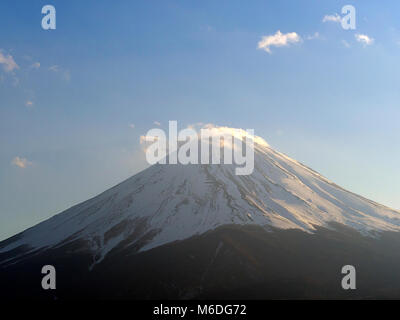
(200, 231)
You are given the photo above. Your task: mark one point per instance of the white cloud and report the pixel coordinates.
(346, 44)
(8, 62)
(215, 130)
(278, 40)
(332, 18)
(21, 162)
(29, 103)
(364, 39)
(54, 68)
(144, 139)
(316, 35)
(65, 73)
(35, 65)
(157, 123)
(235, 132)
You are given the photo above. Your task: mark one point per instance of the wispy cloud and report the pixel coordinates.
(132, 126)
(332, 18)
(279, 39)
(21, 162)
(346, 44)
(314, 36)
(157, 123)
(54, 68)
(35, 65)
(145, 139)
(65, 73)
(29, 103)
(8, 62)
(215, 130)
(364, 39)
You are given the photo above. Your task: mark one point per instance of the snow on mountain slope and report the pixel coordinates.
(165, 203)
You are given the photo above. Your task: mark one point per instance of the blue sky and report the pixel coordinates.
(69, 96)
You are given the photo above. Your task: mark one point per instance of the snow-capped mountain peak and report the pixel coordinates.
(166, 203)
